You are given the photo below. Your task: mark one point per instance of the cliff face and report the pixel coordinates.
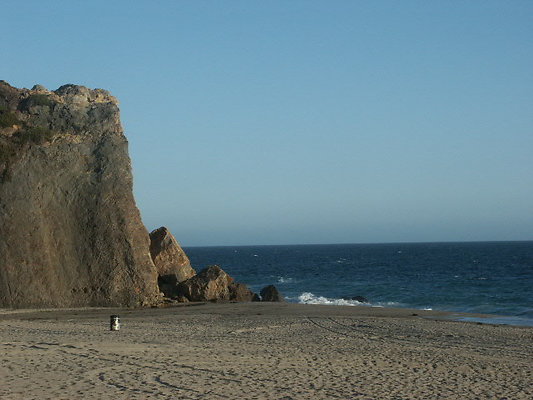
(70, 232)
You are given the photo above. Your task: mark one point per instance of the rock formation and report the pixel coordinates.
(171, 262)
(271, 293)
(70, 232)
(213, 284)
(240, 292)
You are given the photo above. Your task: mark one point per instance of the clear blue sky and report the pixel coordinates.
(277, 122)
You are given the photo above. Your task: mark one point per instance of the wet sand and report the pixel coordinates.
(260, 351)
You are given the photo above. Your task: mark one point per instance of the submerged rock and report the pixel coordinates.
(271, 293)
(360, 299)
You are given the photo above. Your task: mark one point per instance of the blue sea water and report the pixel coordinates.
(484, 277)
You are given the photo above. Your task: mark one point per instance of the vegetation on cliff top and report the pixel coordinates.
(8, 119)
(36, 100)
(25, 133)
(11, 145)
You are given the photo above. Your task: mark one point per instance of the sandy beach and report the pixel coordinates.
(260, 351)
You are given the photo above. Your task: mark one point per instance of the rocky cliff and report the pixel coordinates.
(70, 232)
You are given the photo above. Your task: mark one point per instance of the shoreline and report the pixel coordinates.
(359, 310)
(260, 351)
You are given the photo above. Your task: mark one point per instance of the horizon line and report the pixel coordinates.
(362, 243)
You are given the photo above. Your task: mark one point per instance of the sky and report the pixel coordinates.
(298, 122)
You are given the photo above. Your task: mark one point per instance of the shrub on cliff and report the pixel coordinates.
(35, 135)
(36, 100)
(8, 119)
(9, 148)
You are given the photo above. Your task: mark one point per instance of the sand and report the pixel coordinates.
(260, 351)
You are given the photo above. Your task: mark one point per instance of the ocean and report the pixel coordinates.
(474, 277)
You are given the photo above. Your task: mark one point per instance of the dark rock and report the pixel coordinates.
(360, 299)
(240, 292)
(168, 288)
(271, 293)
(171, 262)
(70, 232)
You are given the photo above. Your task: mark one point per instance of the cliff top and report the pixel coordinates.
(11, 96)
(70, 109)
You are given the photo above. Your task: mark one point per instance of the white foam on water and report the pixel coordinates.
(283, 279)
(310, 298)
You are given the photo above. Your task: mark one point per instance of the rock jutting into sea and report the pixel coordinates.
(213, 284)
(70, 232)
(178, 280)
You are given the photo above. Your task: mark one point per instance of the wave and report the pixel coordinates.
(282, 279)
(310, 298)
